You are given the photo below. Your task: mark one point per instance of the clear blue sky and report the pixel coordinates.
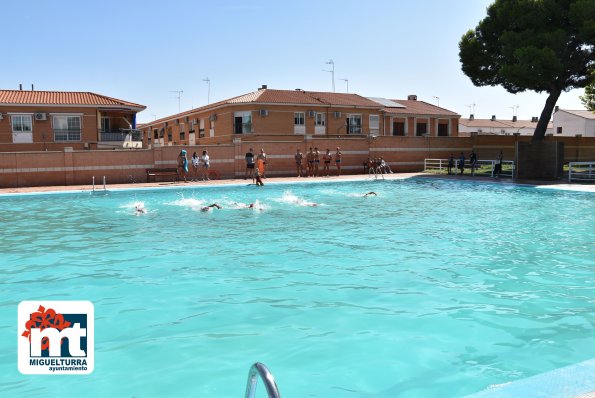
(141, 50)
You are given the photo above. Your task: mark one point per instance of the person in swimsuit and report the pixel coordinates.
(183, 164)
(206, 163)
(316, 161)
(462, 163)
(338, 161)
(139, 209)
(327, 157)
(310, 160)
(385, 166)
(195, 164)
(261, 159)
(257, 178)
(371, 193)
(299, 156)
(249, 164)
(209, 207)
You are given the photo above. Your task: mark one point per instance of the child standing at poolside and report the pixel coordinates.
(206, 163)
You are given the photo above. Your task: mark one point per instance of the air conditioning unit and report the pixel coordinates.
(264, 112)
(40, 116)
(311, 113)
(337, 115)
(213, 117)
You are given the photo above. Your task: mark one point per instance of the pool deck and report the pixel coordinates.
(561, 185)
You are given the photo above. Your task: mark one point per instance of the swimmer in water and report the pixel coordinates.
(209, 207)
(243, 205)
(139, 209)
(371, 193)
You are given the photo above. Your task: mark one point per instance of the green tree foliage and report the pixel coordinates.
(588, 99)
(539, 45)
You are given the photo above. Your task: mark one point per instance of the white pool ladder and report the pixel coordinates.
(259, 369)
(104, 185)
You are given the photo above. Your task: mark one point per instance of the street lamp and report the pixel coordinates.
(346, 80)
(330, 62)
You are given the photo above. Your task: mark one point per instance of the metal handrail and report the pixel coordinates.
(259, 369)
(584, 171)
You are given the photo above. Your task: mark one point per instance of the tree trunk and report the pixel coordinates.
(546, 115)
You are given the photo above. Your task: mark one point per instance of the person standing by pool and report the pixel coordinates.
(299, 156)
(206, 163)
(473, 161)
(316, 161)
(195, 165)
(451, 163)
(327, 157)
(261, 161)
(338, 161)
(462, 162)
(183, 164)
(257, 179)
(498, 165)
(249, 164)
(310, 160)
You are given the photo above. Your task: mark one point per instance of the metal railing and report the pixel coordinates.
(482, 167)
(256, 370)
(121, 135)
(67, 134)
(581, 171)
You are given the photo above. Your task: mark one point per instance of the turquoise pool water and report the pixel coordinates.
(433, 288)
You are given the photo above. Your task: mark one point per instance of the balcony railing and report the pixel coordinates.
(121, 135)
(67, 135)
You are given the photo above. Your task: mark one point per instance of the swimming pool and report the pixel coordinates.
(433, 288)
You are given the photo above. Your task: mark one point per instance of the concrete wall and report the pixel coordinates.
(404, 154)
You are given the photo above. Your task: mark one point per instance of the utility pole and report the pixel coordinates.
(179, 92)
(330, 62)
(208, 81)
(346, 80)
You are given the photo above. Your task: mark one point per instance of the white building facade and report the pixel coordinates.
(572, 123)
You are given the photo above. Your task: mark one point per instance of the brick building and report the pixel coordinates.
(268, 112)
(51, 120)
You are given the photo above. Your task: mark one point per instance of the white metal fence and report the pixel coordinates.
(581, 171)
(483, 167)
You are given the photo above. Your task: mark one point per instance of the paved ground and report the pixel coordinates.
(357, 177)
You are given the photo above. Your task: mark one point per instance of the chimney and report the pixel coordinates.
(264, 87)
(556, 108)
(21, 87)
(534, 119)
(493, 118)
(514, 118)
(472, 117)
(412, 97)
(32, 87)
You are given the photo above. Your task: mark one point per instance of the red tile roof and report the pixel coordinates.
(500, 123)
(302, 97)
(343, 99)
(414, 107)
(581, 113)
(24, 97)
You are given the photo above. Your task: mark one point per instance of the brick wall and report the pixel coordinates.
(19, 169)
